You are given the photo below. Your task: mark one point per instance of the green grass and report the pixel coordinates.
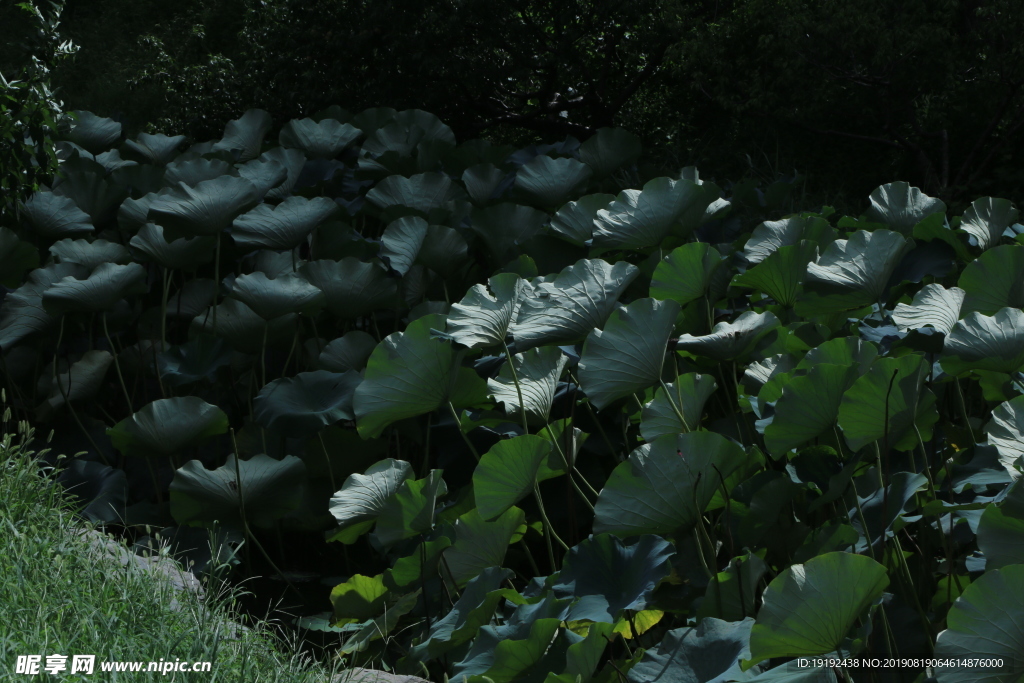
(59, 597)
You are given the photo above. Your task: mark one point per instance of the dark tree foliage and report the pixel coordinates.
(854, 93)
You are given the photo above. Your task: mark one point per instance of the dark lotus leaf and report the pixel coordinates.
(100, 491)
(193, 171)
(245, 134)
(168, 426)
(91, 132)
(712, 651)
(105, 286)
(183, 253)
(22, 313)
(89, 254)
(196, 360)
(293, 161)
(154, 149)
(305, 404)
(281, 227)
(53, 216)
(206, 209)
(610, 576)
(324, 139)
(265, 174)
(352, 288)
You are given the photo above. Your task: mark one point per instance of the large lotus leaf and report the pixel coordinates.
(986, 622)
(22, 313)
(411, 511)
(546, 181)
(401, 242)
(503, 655)
(194, 297)
(882, 507)
(708, 653)
(688, 273)
(168, 426)
(666, 484)
(112, 161)
(93, 133)
(154, 149)
(349, 352)
(480, 544)
(507, 473)
(265, 174)
(688, 394)
(841, 351)
(538, 372)
(444, 250)
(245, 134)
(1001, 529)
(134, 213)
(409, 373)
(192, 171)
(422, 192)
(484, 315)
(731, 593)
(643, 218)
(610, 576)
(100, 491)
(183, 253)
(89, 254)
(855, 272)
(81, 381)
(987, 218)
(609, 149)
(16, 257)
(53, 216)
(809, 406)
(193, 361)
(484, 182)
(781, 274)
(93, 192)
(729, 341)
(565, 309)
(770, 236)
(358, 599)
(980, 342)
(293, 162)
(324, 139)
(994, 280)
(242, 327)
(268, 489)
(862, 414)
(363, 496)
(1006, 432)
(105, 286)
(206, 209)
(404, 132)
(306, 403)
(933, 306)
(901, 206)
(281, 227)
(575, 221)
(505, 227)
(352, 288)
(273, 298)
(473, 610)
(627, 355)
(809, 609)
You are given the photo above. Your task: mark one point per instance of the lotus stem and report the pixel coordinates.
(519, 390)
(677, 409)
(963, 410)
(458, 426)
(67, 398)
(117, 363)
(163, 309)
(216, 281)
(327, 459)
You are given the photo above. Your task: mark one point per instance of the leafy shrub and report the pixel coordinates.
(561, 423)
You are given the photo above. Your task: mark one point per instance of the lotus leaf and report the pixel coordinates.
(980, 342)
(994, 280)
(306, 403)
(349, 352)
(987, 218)
(933, 306)
(352, 288)
(265, 488)
(1006, 432)
(537, 372)
(985, 622)
(565, 309)
(53, 216)
(324, 139)
(609, 149)
(167, 426)
(809, 609)
(105, 286)
(245, 134)
(770, 236)
(730, 341)
(89, 254)
(575, 221)
(712, 651)
(482, 318)
(627, 355)
(665, 484)
(546, 181)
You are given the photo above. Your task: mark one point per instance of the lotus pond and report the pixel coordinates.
(495, 414)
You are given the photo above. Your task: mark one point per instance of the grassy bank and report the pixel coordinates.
(58, 595)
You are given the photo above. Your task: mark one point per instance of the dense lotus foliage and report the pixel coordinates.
(525, 415)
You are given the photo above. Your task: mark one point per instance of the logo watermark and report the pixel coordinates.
(33, 665)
